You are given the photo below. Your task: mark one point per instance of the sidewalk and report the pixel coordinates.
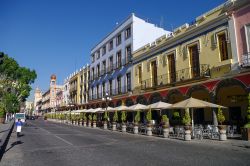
(5, 130)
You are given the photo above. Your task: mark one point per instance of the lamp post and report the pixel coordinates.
(106, 98)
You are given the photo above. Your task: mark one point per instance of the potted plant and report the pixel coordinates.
(137, 120)
(81, 118)
(90, 120)
(84, 119)
(94, 120)
(73, 119)
(165, 126)
(77, 119)
(222, 128)
(149, 124)
(245, 131)
(106, 116)
(187, 121)
(2, 113)
(124, 118)
(115, 119)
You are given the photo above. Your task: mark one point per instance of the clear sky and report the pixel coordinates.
(56, 36)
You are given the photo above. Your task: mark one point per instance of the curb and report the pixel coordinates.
(5, 138)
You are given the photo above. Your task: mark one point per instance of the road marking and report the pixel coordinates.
(63, 140)
(56, 136)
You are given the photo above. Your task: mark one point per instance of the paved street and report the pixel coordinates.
(52, 144)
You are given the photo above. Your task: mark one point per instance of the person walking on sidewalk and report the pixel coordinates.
(19, 125)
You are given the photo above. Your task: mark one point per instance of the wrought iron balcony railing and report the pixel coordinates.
(180, 75)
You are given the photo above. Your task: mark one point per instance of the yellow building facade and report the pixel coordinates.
(196, 60)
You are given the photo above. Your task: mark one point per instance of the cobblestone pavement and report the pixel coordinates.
(52, 144)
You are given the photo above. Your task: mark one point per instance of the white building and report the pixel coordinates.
(110, 69)
(66, 91)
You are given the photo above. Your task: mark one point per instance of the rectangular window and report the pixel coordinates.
(104, 67)
(223, 46)
(93, 73)
(103, 89)
(119, 39)
(97, 91)
(93, 58)
(128, 33)
(119, 85)
(104, 50)
(110, 87)
(98, 70)
(128, 54)
(194, 60)
(111, 45)
(119, 59)
(98, 54)
(139, 74)
(110, 63)
(172, 68)
(128, 81)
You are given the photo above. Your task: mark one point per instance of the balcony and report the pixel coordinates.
(180, 75)
(245, 61)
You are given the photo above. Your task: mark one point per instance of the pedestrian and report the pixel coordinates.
(19, 125)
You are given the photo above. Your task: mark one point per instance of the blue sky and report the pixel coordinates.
(56, 36)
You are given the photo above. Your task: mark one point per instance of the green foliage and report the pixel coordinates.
(149, 115)
(186, 120)
(248, 113)
(2, 111)
(176, 116)
(220, 116)
(124, 116)
(73, 117)
(84, 117)
(90, 117)
(105, 116)
(94, 117)
(137, 117)
(15, 81)
(165, 119)
(115, 117)
(81, 116)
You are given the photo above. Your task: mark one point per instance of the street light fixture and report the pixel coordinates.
(106, 98)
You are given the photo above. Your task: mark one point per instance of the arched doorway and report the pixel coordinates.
(175, 115)
(118, 103)
(156, 114)
(201, 115)
(233, 94)
(129, 102)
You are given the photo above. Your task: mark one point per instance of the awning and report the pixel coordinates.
(94, 83)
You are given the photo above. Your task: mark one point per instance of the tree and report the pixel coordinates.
(15, 83)
(220, 116)
(248, 113)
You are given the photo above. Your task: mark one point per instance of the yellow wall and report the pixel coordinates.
(209, 52)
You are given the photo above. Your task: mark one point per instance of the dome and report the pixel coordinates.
(53, 77)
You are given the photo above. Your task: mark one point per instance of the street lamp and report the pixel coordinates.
(106, 98)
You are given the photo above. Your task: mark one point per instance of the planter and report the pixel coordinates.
(89, 124)
(149, 130)
(245, 132)
(105, 126)
(222, 130)
(2, 120)
(187, 136)
(135, 129)
(165, 132)
(114, 126)
(94, 124)
(124, 128)
(84, 124)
